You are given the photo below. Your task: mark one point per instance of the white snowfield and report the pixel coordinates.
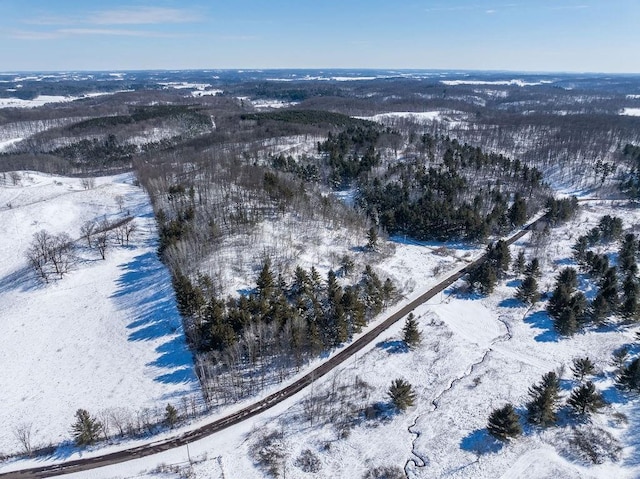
(630, 111)
(106, 335)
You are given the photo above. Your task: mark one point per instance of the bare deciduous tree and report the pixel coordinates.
(88, 183)
(23, 432)
(87, 230)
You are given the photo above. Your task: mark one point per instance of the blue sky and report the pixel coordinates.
(522, 35)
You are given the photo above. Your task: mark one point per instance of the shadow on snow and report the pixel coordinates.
(393, 346)
(144, 288)
(542, 320)
(480, 442)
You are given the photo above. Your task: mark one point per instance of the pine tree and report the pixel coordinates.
(518, 211)
(541, 410)
(170, 416)
(401, 394)
(566, 305)
(527, 292)
(629, 377)
(499, 257)
(411, 335)
(582, 367)
(520, 263)
(628, 253)
(189, 298)
(580, 250)
(372, 238)
(533, 268)
(483, 278)
(265, 282)
(86, 428)
(586, 399)
(630, 294)
(504, 423)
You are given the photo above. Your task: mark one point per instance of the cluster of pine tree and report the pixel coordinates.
(618, 286)
(350, 153)
(631, 185)
(278, 326)
(466, 194)
(484, 277)
(545, 400)
(527, 292)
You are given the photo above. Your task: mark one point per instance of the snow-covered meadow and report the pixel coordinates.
(107, 335)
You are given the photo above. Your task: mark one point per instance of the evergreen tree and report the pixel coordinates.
(627, 255)
(582, 367)
(610, 228)
(499, 257)
(372, 238)
(189, 298)
(518, 211)
(401, 394)
(504, 423)
(629, 377)
(586, 399)
(545, 396)
(170, 416)
(265, 283)
(520, 263)
(411, 334)
(630, 293)
(533, 268)
(86, 429)
(566, 306)
(527, 292)
(483, 278)
(580, 249)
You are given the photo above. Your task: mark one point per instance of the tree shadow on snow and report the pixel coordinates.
(514, 283)
(480, 442)
(565, 262)
(542, 320)
(393, 347)
(511, 303)
(144, 289)
(23, 280)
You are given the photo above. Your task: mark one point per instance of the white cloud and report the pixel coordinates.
(123, 16)
(108, 31)
(142, 16)
(32, 35)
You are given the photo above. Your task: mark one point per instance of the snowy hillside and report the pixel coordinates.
(107, 336)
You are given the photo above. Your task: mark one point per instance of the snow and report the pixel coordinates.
(417, 116)
(46, 99)
(38, 101)
(477, 354)
(107, 335)
(201, 93)
(514, 82)
(631, 111)
(185, 85)
(4, 145)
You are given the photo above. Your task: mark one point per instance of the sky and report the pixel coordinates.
(517, 35)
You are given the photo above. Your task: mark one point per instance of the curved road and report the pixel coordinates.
(259, 406)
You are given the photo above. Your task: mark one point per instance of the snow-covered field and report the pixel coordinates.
(631, 111)
(107, 335)
(477, 354)
(45, 99)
